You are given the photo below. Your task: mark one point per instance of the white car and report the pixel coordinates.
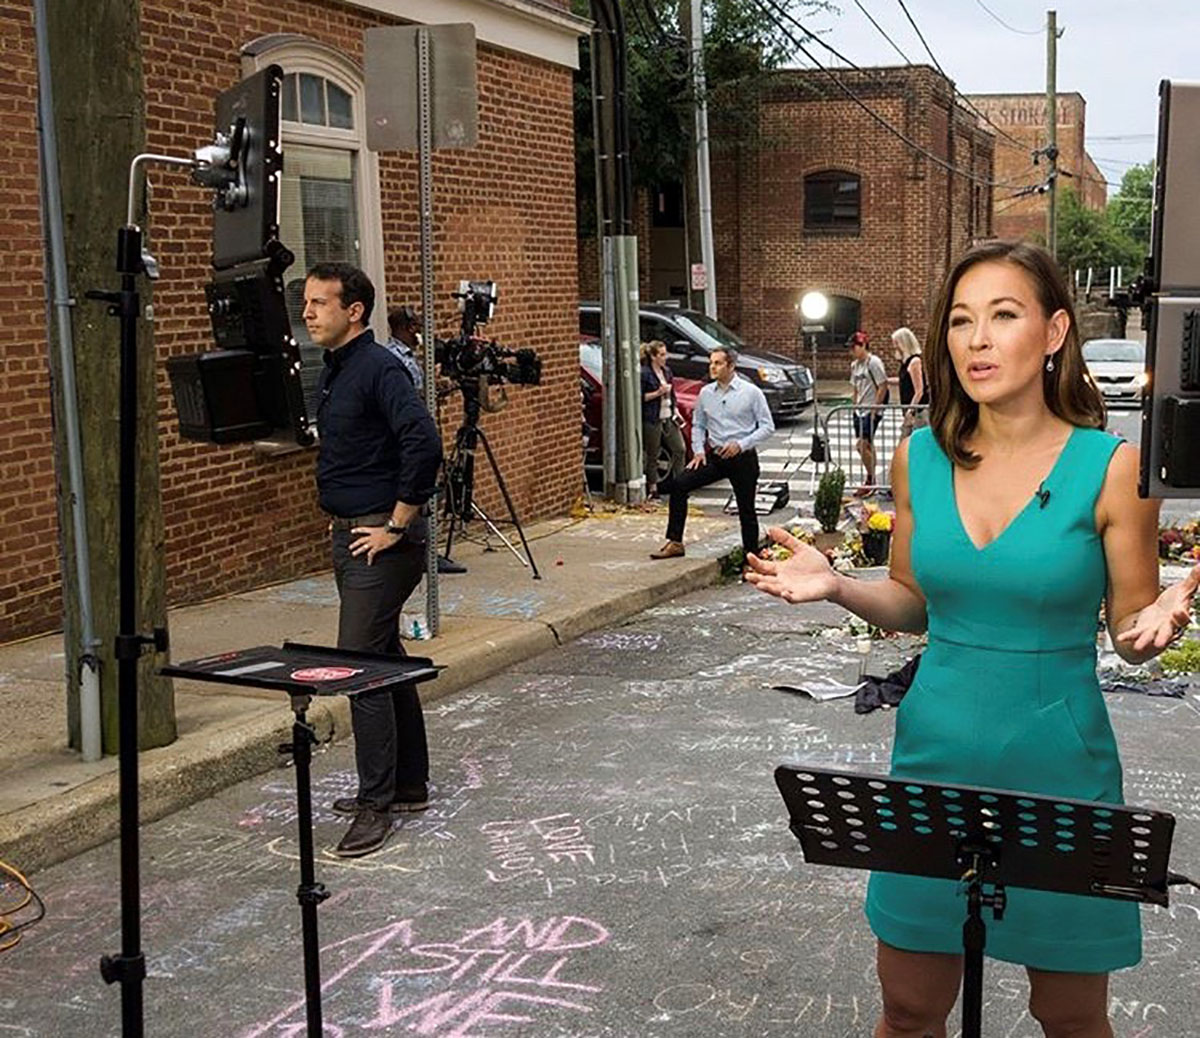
(1118, 368)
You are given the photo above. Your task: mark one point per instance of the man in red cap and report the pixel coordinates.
(868, 376)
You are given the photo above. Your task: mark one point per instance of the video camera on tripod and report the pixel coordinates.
(468, 357)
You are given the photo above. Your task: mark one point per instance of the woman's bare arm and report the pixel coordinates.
(1141, 620)
(895, 603)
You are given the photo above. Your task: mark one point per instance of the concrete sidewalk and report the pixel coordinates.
(595, 571)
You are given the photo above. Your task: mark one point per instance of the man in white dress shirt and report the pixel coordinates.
(730, 420)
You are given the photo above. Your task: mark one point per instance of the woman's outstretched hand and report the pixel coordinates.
(806, 577)
(1164, 619)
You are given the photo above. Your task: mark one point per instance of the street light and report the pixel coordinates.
(813, 308)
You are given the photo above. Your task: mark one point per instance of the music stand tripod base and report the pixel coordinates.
(979, 837)
(301, 672)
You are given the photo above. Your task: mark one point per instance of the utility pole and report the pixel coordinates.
(1052, 131)
(703, 179)
(95, 63)
(624, 478)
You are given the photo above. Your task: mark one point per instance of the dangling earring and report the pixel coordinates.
(1050, 364)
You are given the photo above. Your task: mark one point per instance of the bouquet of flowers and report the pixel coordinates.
(873, 517)
(1180, 543)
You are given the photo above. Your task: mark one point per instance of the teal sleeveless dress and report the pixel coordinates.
(1006, 696)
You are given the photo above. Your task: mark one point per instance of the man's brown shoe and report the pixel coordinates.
(368, 832)
(670, 550)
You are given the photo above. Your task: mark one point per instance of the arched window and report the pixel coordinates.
(329, 194)
(842, 321)
(832, 202)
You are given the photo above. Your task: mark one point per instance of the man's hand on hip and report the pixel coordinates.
(374, 539)
(730, 450)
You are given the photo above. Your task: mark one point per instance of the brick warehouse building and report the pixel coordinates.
(1022, 118)
(504, 210)
(830, 200)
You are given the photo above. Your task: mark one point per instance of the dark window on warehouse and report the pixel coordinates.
(832, 200)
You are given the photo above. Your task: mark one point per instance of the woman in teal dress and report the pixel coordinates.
(1016, 516)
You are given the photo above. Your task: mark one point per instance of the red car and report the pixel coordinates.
(592, 388)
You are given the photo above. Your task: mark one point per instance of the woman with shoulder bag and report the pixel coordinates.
(661, 420)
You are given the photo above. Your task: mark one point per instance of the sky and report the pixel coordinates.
(1113, 53)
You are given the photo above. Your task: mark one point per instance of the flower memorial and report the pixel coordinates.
(1180, 543)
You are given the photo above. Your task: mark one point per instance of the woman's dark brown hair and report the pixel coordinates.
(953, 415)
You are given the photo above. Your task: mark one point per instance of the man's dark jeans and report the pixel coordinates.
(390, 750)
(742, 472)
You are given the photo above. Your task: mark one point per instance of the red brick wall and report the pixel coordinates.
(1022, 117)
(235, 519)
(30, 591)
(893, 266)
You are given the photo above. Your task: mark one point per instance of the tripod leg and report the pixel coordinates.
(309, 893)
(460, 477)
(512, 511)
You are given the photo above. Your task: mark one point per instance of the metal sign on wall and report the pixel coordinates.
(393, 98)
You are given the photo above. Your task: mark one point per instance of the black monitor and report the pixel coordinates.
(1170, 448)
(249, 388)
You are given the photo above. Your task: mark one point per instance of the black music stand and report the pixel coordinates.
(978, 836)
(303, 671)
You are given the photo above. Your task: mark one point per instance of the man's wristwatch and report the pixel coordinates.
(394, 530)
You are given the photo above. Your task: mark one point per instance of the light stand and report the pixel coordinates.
(129, 967)
(813, 308)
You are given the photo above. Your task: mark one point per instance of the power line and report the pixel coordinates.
(763, 5)
(938, 65)
(882, 32)
(1010, 28)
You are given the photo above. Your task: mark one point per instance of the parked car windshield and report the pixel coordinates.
(709, 333)
(1107, 350)
(591, 357)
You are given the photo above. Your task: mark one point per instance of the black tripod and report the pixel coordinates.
(459, 487)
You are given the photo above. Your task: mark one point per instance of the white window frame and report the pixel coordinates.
(299, 54)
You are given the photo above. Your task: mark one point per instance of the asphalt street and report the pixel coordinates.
(606, 856)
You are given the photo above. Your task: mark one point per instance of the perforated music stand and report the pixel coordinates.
(303, 671)
(978, 836)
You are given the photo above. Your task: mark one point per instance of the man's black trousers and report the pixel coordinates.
(742, 472)
(390, 750)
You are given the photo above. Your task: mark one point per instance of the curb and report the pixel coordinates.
(204, 762)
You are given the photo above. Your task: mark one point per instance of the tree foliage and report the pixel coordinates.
(742, 44)
(1130, 208)
(1088, 238)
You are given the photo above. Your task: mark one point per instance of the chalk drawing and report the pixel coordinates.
(509, 971)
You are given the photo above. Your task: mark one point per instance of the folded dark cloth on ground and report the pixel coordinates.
(886, 691)
(1176, 688)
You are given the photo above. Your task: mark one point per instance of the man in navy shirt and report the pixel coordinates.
(377, 466)
(730, 420)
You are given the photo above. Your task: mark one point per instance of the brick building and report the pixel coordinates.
(830, 200)
(1022, 120)
(504, 210)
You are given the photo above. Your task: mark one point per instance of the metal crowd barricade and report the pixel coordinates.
(842, 450)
